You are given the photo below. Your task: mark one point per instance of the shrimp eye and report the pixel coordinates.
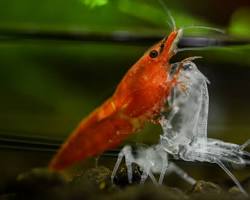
(153, 54)
(187, 67)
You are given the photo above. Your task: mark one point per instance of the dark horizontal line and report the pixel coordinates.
(36, 144)
(26, 148)
(10, 35)
(18, 142)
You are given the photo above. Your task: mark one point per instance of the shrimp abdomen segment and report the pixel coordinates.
(91, 140)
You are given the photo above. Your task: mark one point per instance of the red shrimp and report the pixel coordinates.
(139, 97)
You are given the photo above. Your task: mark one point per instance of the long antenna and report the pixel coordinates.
(204, 27)
(192, 49)
(167, 11)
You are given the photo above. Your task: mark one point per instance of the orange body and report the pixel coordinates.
(139, 97)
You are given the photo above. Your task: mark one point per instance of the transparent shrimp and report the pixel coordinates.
(185, 135)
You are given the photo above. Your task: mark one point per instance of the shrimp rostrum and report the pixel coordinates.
(185, 133)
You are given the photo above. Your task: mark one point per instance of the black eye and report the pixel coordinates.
(187, 67)
(153, 54)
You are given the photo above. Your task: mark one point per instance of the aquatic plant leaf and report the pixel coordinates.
(94, 3)
(240, 23)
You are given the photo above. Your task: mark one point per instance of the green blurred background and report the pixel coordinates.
(48, 86)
